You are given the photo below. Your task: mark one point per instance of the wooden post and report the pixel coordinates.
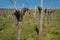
(19, 19)
(19, 16)
(41, 18)
(52, 15)
(19, 31)
(45, 17)
(49, 16)
(35, 12)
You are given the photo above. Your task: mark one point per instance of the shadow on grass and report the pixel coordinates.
(36, 29)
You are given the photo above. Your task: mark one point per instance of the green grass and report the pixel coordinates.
(8, 28)
(54, 30)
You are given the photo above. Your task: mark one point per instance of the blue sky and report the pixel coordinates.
(30, 3)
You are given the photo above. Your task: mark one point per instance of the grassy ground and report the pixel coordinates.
(30, 25)
(54, 28)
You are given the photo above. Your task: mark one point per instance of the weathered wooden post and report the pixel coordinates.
(45, 17)
(19, 31)
(35, 12)
(53, 13)
(40, 9)
(49, 16)
(19, 15)
(41, 18)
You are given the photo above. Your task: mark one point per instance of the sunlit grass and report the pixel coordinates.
(9, 32)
